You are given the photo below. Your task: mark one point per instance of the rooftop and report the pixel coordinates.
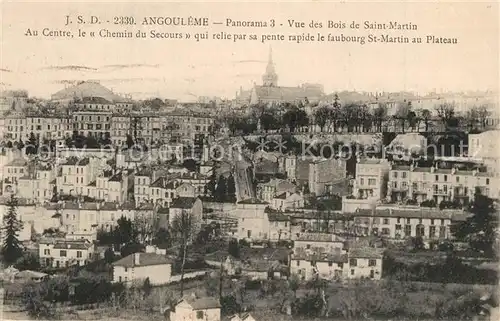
(183, 202)
(145, 259)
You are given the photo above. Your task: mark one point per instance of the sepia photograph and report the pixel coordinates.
(236, 161)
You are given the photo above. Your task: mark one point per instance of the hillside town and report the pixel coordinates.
(281, 203)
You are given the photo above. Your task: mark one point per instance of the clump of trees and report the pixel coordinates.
(222, 189)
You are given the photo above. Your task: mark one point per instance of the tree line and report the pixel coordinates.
(358, 117)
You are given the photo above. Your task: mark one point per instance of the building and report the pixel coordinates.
(430, 224)
(324, 174)
(64, 253)
(365, 262)
(318, 253)
(192, 206)
(287, 201)
(268, 191)
(138, 266)
(252, 220)
(242, 317)
(371, 178)
(438, 184)
(193, 308)
(271, 93)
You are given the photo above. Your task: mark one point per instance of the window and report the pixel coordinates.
(437, 178)
(353, 262)
(361, 181)
(62, 253)
(78, 253)
(407, 221)
(352, 271)
(46, 252)
(395, 175)
(487, 181)
(404, 174)
(330, 263)
(298, 263)
(442, 221)
(432, 221)
(442, 232)
(308, 246)
(399, 220)
(386, 221)
(119, 279)
(408, 230)
(420, 221)
(372, 262)
(432, 231)
(458, 179)
(445, 178)
(199, 314)
(313, 263)
(371, 181)
(340, 265)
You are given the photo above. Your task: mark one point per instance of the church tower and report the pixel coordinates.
(270, 78)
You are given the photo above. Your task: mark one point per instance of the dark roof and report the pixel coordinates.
(72, 245)
(183, 202)
(203, 303)
(319, 257)
(116, 178)
(366, 253)
(419, 213)
(277, 217)
(75, 161)
(145, 259)
(94, 100)
(253, 201)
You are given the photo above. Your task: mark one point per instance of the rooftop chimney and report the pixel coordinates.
(136, 259)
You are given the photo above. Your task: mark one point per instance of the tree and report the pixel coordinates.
(12, 248)
(29, 261)
(183, 230)
(124, 233)
(425, 115)
(32, 147)
(130, 141)
(446, 112)
(322, 115)
(295, 117)
(109, 255)
(20, 144)
(402, 114)
(230, 189)
(482, 115)
(479, 229)
(221, 189)
(379, 116)
(233, 248)
(131, 248)
(91, 142)
(162, 238)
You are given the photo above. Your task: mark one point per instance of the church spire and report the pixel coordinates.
(270, 78)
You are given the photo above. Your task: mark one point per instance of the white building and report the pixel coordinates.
(139, 266)
(193, 308)
(371, 178)
(287, 201)
(64, 253)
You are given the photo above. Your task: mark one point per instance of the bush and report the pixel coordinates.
(244, 243)
(229, 305)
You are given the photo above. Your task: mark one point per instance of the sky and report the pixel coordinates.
(186, 69)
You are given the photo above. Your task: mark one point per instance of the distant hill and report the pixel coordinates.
(87, 89)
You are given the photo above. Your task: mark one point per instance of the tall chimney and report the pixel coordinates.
(136, 259)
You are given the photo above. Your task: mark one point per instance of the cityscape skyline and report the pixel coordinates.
(147, 68)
